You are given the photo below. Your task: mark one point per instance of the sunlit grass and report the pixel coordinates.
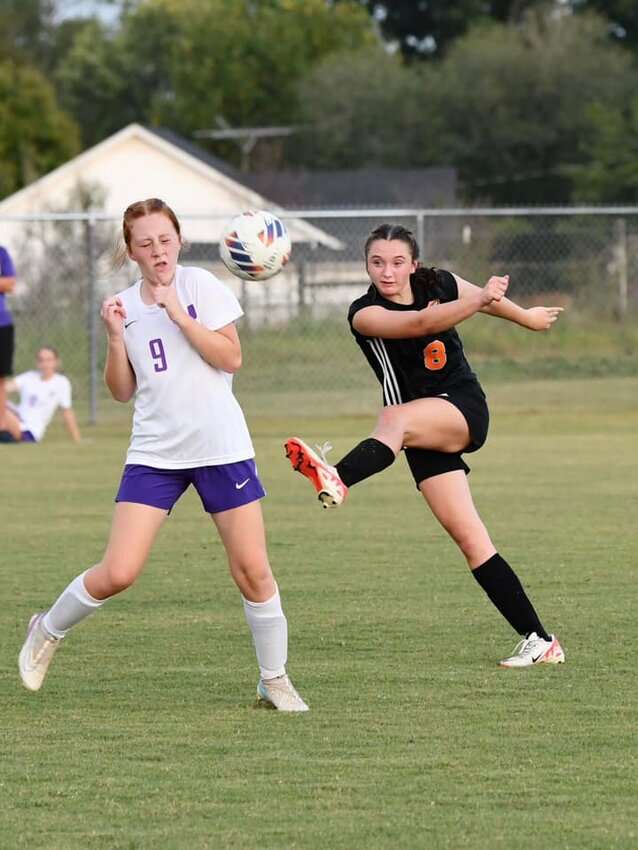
(147, 733)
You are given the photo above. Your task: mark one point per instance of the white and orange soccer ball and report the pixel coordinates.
(255, 245)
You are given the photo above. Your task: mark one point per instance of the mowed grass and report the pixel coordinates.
(147, 733)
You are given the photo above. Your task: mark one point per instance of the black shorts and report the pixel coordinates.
(426, 463)
(6, 351)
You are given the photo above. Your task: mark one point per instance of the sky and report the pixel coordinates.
(107, 11)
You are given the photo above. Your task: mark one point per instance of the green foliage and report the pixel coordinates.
(26, 28)
(35, 134)
(610, 174)
(510, 106)
(109, 79)
(365, 109)
(530, 100)
(427, 29)
(181, 63)
(621, 14)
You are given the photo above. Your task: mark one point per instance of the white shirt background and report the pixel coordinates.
(40, 399)
(185, 412)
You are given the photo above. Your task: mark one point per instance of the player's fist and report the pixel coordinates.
(113, 315)
(495, 288)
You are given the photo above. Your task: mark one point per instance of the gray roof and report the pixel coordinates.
(198, 152)
(365, 187)
(344, 188)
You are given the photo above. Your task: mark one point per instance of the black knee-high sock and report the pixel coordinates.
(501, 584)
(366, 459)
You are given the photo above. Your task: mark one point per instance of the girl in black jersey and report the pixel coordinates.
(434, 410)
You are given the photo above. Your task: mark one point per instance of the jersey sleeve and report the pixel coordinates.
(20, 380)
(364, 301)
(6, 264)
(216, 304)
(64, 393)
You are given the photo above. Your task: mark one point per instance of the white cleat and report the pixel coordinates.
(281, 693)
(36, 654)
(535, 650)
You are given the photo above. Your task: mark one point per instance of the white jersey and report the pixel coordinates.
(39, 399)
(185, 412)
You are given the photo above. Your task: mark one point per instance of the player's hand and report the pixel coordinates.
(495, 289)
(542, 318)
(166, 297)
(113, 315)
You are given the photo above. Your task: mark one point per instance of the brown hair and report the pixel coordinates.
(50, 348)
(138, 210)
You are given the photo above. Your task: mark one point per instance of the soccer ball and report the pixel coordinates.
(255, 245)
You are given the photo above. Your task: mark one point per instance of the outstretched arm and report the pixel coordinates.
(377, 321)
(533, 318)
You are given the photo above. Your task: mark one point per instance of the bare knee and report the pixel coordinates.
(390, 427)
(390, 417)
(254, 580)
(473, 541)
(106, 580)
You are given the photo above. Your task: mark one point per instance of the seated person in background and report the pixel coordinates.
(41, 392)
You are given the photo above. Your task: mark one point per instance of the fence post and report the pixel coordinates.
(420, 232)
(301, 286)
(621, 262)
(92, 319)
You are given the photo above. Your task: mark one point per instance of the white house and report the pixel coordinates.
(137, 163)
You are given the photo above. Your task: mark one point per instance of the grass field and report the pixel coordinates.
(147, 733)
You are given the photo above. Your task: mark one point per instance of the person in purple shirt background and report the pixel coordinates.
(7, 284)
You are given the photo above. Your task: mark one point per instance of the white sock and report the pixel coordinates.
(269, 628)
(73, 605)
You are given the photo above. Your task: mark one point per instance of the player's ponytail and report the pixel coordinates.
(430, 280)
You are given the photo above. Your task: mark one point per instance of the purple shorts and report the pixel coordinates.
(220, 488)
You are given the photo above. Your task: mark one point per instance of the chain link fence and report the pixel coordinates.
(298, 352)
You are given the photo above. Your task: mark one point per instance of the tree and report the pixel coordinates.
(25, 28)
(35, 134)
(622, 16)
(181, 64)
(610, 174)
(425, 29)
(32, 33)
(109, 79)
(365, 109)
(510, 104)
(508, 107)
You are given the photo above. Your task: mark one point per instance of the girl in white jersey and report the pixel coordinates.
(173, 345)
(41, 391)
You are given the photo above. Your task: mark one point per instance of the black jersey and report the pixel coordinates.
(420, 366)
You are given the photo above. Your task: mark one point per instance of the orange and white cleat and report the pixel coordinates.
(535, 650)
(325, 479)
